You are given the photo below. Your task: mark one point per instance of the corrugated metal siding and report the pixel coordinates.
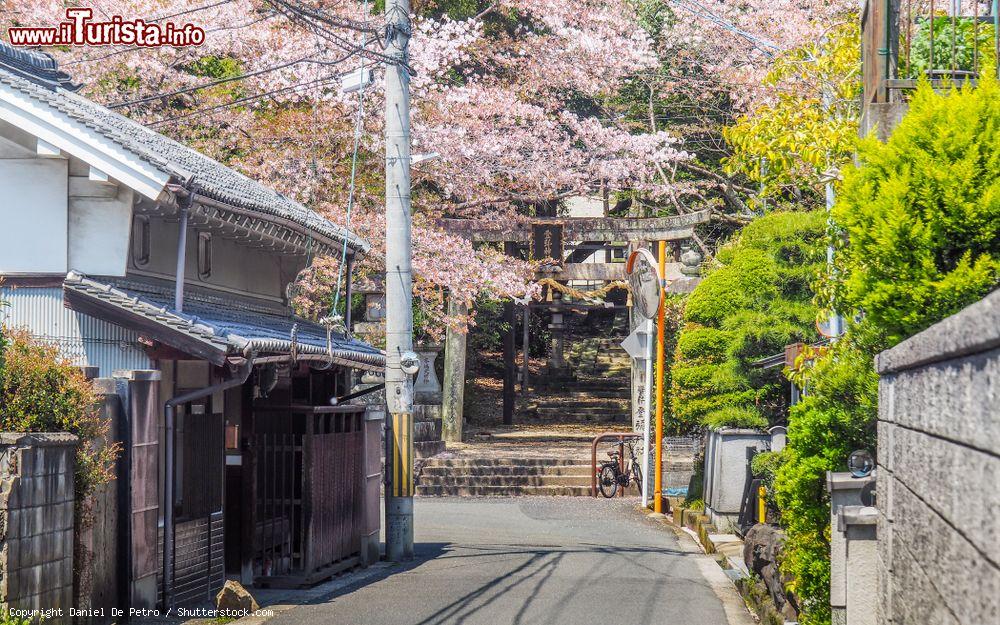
(83, 339)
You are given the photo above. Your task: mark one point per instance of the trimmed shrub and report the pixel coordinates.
(918, 236)
(748, 308)
(40, 391)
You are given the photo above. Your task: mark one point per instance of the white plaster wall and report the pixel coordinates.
(33, 210)
(99, 232)
(235, 268)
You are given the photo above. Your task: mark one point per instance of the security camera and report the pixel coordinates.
(409, 362)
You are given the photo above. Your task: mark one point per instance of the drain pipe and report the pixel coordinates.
(185, 208)
(169, 416)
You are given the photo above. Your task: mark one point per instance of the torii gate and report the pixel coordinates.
(602, 230)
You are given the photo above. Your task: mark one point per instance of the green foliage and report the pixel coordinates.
(214, 67)
(786, 146)
(917, 222)
(836, 417)
(490, 327)
(921, 214)
(765, 466)
(8, 619)
(736, 416)
(42, 392)
(960, 44)
(748, 308)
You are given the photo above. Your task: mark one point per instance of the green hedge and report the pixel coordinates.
(918, 235)
(753, 304)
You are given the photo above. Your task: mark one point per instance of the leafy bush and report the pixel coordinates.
(42, 392)
(765, 466)
(919, 217)
(917, 223)
(836, 417)
(750, 307)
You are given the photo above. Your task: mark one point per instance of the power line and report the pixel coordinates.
(316, 82)
(359, 120)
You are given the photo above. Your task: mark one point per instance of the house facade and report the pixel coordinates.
(157, 266)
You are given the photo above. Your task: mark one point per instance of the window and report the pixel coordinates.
(140, 240)
(204, 255)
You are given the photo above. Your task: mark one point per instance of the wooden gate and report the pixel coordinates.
(310, 496)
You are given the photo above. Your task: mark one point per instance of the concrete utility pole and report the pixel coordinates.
(398, 286)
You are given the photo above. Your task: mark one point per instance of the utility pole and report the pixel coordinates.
(660, 356)
(398, 286)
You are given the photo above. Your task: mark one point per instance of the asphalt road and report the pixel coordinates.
(536, 560)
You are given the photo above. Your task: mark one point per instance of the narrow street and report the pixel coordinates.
(543, 560)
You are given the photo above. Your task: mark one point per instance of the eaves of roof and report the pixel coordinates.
(216, 330)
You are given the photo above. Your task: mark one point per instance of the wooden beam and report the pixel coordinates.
(509, 351)
(675, 228)
(586, 271)
(601, 271)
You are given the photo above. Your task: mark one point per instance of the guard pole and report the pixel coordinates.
(660, 337)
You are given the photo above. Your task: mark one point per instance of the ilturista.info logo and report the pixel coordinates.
(80, 29)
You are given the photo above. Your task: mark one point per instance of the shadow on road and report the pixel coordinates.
(528, 577)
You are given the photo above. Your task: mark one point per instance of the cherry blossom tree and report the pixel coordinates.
(512, 95)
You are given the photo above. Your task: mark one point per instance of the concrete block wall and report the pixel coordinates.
(938, 497)
(726, 471)
(36, 520)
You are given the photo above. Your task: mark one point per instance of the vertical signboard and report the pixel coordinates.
(547, 241)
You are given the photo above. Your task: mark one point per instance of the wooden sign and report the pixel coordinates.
(547, 241)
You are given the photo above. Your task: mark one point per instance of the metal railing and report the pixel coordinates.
(945, 41)
(621, 438)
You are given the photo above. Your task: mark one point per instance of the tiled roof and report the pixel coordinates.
(29, 74)
(227, 326)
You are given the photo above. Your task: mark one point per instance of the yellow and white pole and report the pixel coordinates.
(660, 331)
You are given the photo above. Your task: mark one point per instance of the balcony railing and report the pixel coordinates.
(944, 41)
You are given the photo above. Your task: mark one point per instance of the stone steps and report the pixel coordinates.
(503, 477)
(501, 462)
(583, 411)
(603, 403)
(502, 491)
(577, 471)
(508, 480)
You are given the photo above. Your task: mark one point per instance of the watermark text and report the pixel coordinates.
(80, 29)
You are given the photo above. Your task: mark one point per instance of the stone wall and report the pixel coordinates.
(36, 521)
(938, 472)
(726, 471)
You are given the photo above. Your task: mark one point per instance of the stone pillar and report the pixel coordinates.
(427, 387)
(853, 554)
(453, 393)
(557, 361)
(36, 521)
(427, 405)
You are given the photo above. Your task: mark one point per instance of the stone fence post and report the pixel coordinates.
(36, 521)
(853, 550)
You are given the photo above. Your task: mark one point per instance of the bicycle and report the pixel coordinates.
(610, 475)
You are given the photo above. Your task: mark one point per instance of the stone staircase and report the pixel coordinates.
(503, 477)
(596, 391)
